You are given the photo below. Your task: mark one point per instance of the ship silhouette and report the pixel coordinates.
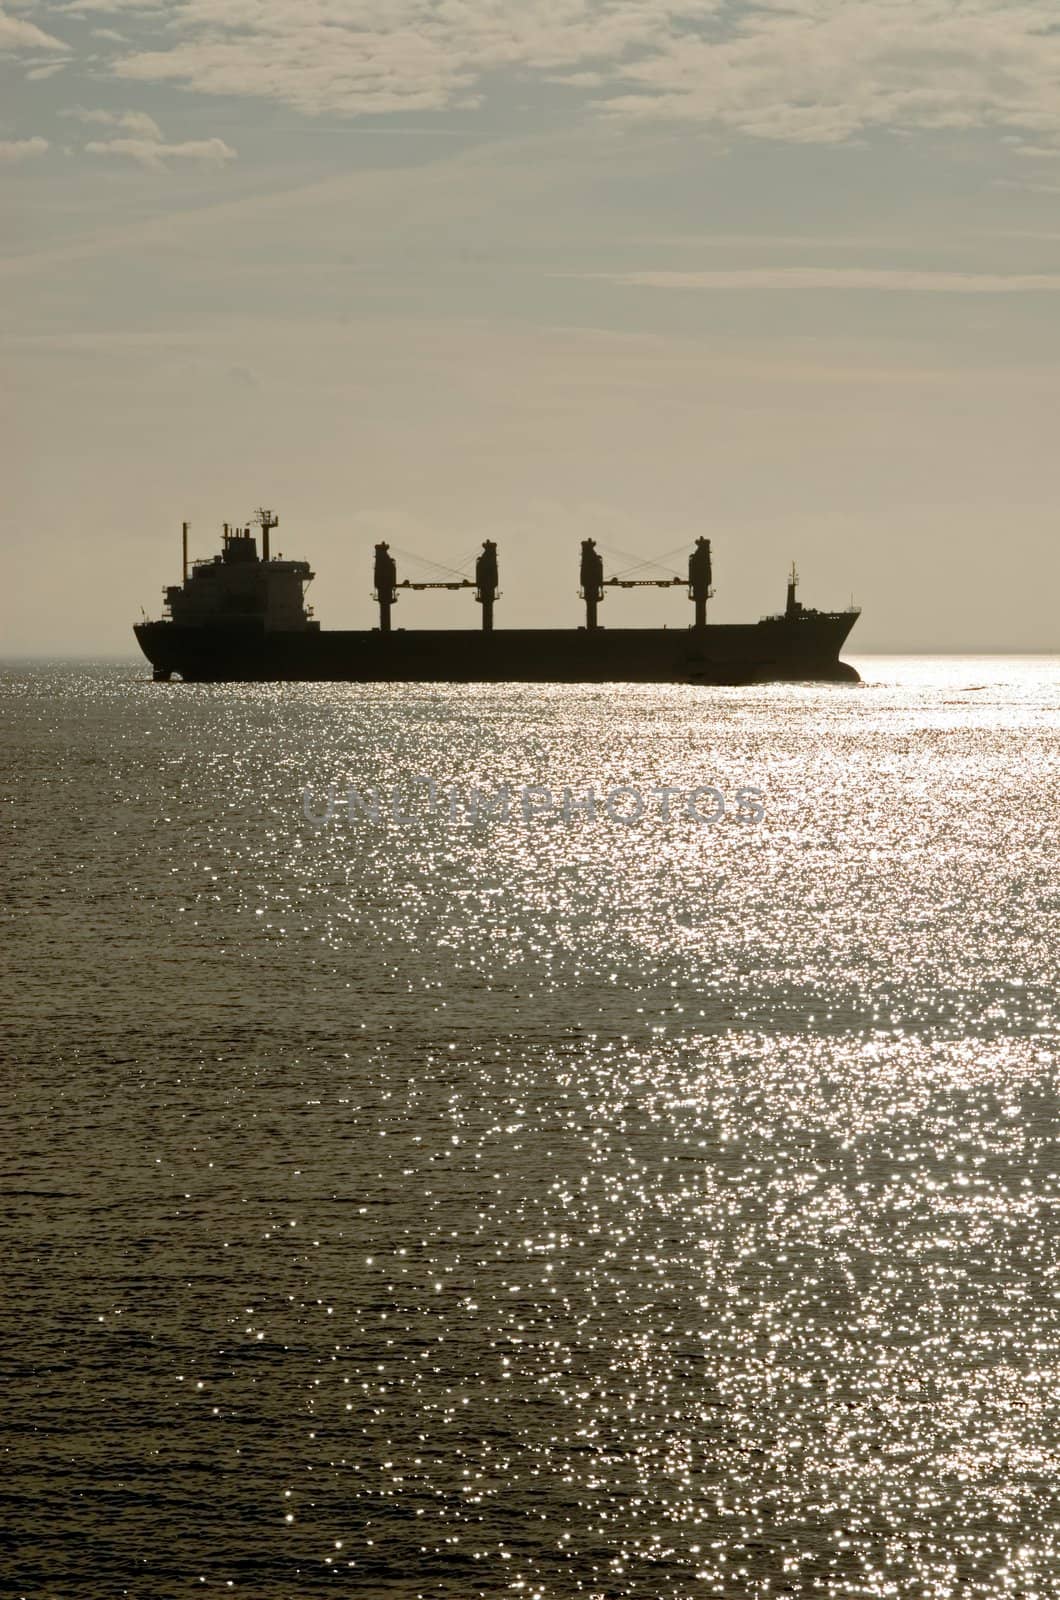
(241, 617)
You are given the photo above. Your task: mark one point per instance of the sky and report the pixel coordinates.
(783, 274)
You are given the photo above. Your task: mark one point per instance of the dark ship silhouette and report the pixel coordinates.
(241, 618)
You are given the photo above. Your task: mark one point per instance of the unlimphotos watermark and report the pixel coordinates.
(626, 804)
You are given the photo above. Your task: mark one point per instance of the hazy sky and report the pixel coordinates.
(786, 274)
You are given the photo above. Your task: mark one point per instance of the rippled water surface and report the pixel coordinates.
(549, 1207)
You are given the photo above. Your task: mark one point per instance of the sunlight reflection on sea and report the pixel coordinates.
(548, 1207)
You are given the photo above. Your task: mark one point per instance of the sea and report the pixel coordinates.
(533, 1141)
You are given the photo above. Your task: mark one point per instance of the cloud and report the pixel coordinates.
(35, 74)
(13, 150)
(349, 57)
(18, 35)
(1026, 185)
(822, 71)
(887, 280)
(808, 71)
(141, 140)
(134, 122)
(79, 8)
(155, 155)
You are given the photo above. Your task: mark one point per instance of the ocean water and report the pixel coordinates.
(449, 1205)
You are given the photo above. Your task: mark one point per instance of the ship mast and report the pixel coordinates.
(268, 521)
(793, 605)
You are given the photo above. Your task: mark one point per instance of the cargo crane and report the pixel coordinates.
(385, 584)
(592, 576)
(593, 582)
(699, 580)
(484, 584)
(486, 581)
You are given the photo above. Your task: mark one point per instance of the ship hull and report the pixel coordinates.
(776, 650)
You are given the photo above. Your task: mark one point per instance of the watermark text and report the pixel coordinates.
(624, 805)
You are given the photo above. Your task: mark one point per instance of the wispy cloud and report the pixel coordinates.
(887, 280)
(133, 122)
(1026, 185)
(17, 34)
(139, 138)
(37, 74)
(14, 150)
(108, 7)
(155, 155)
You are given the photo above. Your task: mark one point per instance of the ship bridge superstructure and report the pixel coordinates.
(239, 588)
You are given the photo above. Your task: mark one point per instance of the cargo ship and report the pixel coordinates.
(242, 617)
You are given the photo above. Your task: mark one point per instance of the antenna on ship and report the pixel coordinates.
(268, 521)
(793, 581)
(184, 551)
